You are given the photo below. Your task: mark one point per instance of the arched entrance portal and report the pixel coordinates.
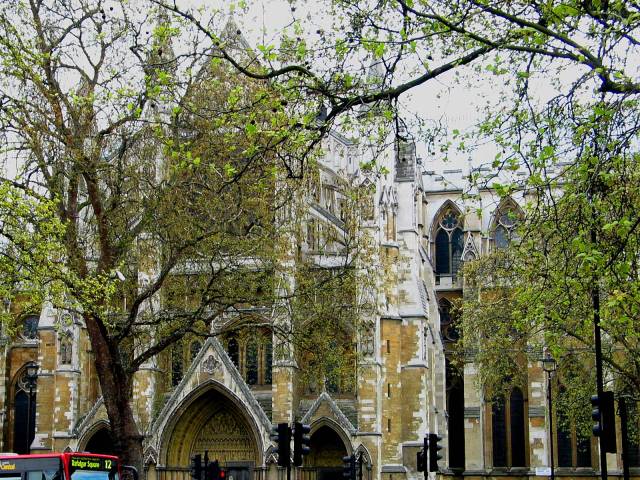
(101, 442)
(215, 423)
(327, 450)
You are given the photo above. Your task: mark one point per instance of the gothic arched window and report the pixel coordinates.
(21, 439)
(574, 448)
(195, 349)
(332, 380)
(565, 445)
(517, 418)
(24, 412)
(449, 243)
(508, 430)
(447, 321)
(499, 432)
(252, 355)
(30, 327)
(268, 360)
(251, 361)
(177, 363)
(234, 351)
(455, 412)
(506, 220)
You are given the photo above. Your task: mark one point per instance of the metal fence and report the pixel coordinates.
(260, 473)
(173, 473)
(263, 473)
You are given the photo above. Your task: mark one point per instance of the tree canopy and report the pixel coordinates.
(576, 255)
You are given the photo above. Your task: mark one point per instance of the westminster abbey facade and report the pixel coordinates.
(222, 394)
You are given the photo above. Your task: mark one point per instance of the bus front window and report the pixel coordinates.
(94, 475)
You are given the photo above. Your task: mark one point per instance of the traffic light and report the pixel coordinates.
(349, 467)
(604, 415)
(215, 472)
(196, 467)
(281, 434)
(434, 448)
(301, 442)
(596, 415)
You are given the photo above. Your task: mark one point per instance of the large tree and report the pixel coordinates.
(151, 182)
(156, 192)
(574, 259)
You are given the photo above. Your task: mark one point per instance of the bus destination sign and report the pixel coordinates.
(91, 463)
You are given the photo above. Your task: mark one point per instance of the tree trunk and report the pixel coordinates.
(116, 385)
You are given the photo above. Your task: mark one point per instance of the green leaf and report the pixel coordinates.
(229, 170)
(251, 129)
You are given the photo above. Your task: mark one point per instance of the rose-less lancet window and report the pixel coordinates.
(449, 245)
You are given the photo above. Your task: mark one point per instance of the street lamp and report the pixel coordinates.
(549, 365)
(30, 379)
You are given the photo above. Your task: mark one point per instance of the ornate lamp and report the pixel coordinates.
(31, 377)
(549, 364)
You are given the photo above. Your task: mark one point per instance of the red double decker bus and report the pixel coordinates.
(62, 466)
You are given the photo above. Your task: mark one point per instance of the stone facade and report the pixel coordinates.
(403, 390)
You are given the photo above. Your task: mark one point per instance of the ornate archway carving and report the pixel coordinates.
(210, 419)
(226, 437)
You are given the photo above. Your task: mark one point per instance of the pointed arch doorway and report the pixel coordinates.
(101, 442)
(327, 451)
(214, 422)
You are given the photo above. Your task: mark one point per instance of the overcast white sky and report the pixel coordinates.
(443, 100)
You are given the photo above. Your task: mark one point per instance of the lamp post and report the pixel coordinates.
(549, 365)
(31, 377)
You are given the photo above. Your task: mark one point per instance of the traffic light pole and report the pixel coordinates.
(550, 401)
(625, 441)
(595, 299)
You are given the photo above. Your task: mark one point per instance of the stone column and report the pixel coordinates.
(47, 392)
(68, 381)
(538, 417)
(473, 422)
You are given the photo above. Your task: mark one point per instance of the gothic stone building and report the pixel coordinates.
(223, 395)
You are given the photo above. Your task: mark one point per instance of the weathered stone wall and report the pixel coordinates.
(392, 406)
